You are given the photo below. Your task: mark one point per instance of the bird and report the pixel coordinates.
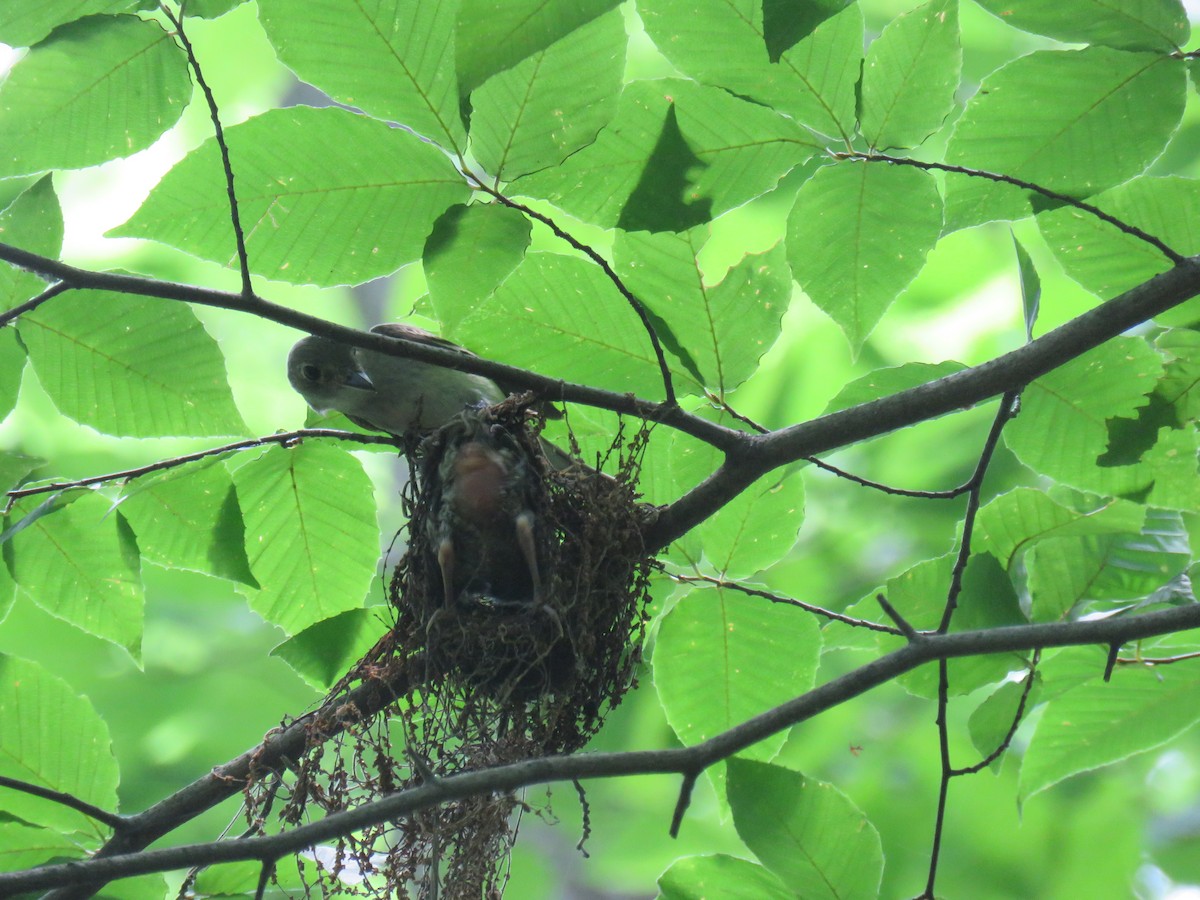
(387, 393)
(397, 395)
(482, 528)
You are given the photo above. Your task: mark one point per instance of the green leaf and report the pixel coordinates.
(12, 364)
(910, 75)
(96, 89)
(1124, 24)
(393, 60)
(727, 877)
(33, 222)
(1118, 568)
(24, 24)
(1100, 723)
(884, 382)
(1062, 429)
(716, 154)
(470, 251)
(818, 843)
(858, 235)
(494, 35)
(722, 657)
(1106, 260)
(132, 366)
(1180, 386)
(755, 529)
(14, 467)
(311, 535)
(1018, 519)
(23, 847)
(536, 320)
(322, 653)
(992, 720)
(326, 197)
(724, 45)
(1031, 287)
(76, 564)
(1062, 138)
(724, 328)
(189, 519)
(52, 737)
(542, 110)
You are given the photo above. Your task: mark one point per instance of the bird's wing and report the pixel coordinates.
(418, 336)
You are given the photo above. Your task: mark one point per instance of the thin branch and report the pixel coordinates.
(285, 438)
(638, 307)
(788, 601)
(112, 820)
(888, 489)
(218, 132)
(1132, 230)
(113, 863)
(1155, 661)
(29, 305)
(902, 624)
(1018, 717)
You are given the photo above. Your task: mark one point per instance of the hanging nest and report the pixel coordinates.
(571, 646)
(513, 661)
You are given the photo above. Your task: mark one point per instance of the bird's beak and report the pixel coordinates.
(358, 379)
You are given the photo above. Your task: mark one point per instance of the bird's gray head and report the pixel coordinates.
(324, 372)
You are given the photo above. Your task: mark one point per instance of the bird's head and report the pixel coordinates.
(327, 374)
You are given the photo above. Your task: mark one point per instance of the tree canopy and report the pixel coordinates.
(885, 310)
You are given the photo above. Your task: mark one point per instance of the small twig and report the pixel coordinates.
(888, 489)
(684, 800)
(1156, 661)
(112, 820)
(590, 253)
(1111, 661)
(1131, 230)
(1012, 730)
(585, 809)
(789, 601)
(29, 305)
(902, 623)
(723, 404)
(218, 132)
(285, 438)
(264, 878)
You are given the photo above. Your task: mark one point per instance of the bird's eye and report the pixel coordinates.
(310, 372)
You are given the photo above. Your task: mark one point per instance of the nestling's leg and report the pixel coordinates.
(445, 557)
(524, 525)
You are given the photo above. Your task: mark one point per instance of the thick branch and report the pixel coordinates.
(961, 390)
(101, 869)
(719, 436)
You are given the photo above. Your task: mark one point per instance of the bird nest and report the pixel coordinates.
(487, 673)
(570, 649)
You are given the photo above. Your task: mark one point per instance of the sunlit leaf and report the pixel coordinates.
(323, 652)
(818, 843)
(326, 197)
(129, 365)
(910, 75)
(1126, 24)
(53, 738)
(311, 535)
(574, 83)
(1101, 722)
(24, 24)
(33, 222)
(1061, 138)
(95, 89)
(729, 877)
(724, 44)
(858, 234)
(79, 563)
(470, 251)
(394, 60)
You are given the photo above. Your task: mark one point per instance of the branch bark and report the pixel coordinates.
(83, 879)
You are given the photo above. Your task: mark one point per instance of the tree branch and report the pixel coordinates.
(113, 863)
(759, 454)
